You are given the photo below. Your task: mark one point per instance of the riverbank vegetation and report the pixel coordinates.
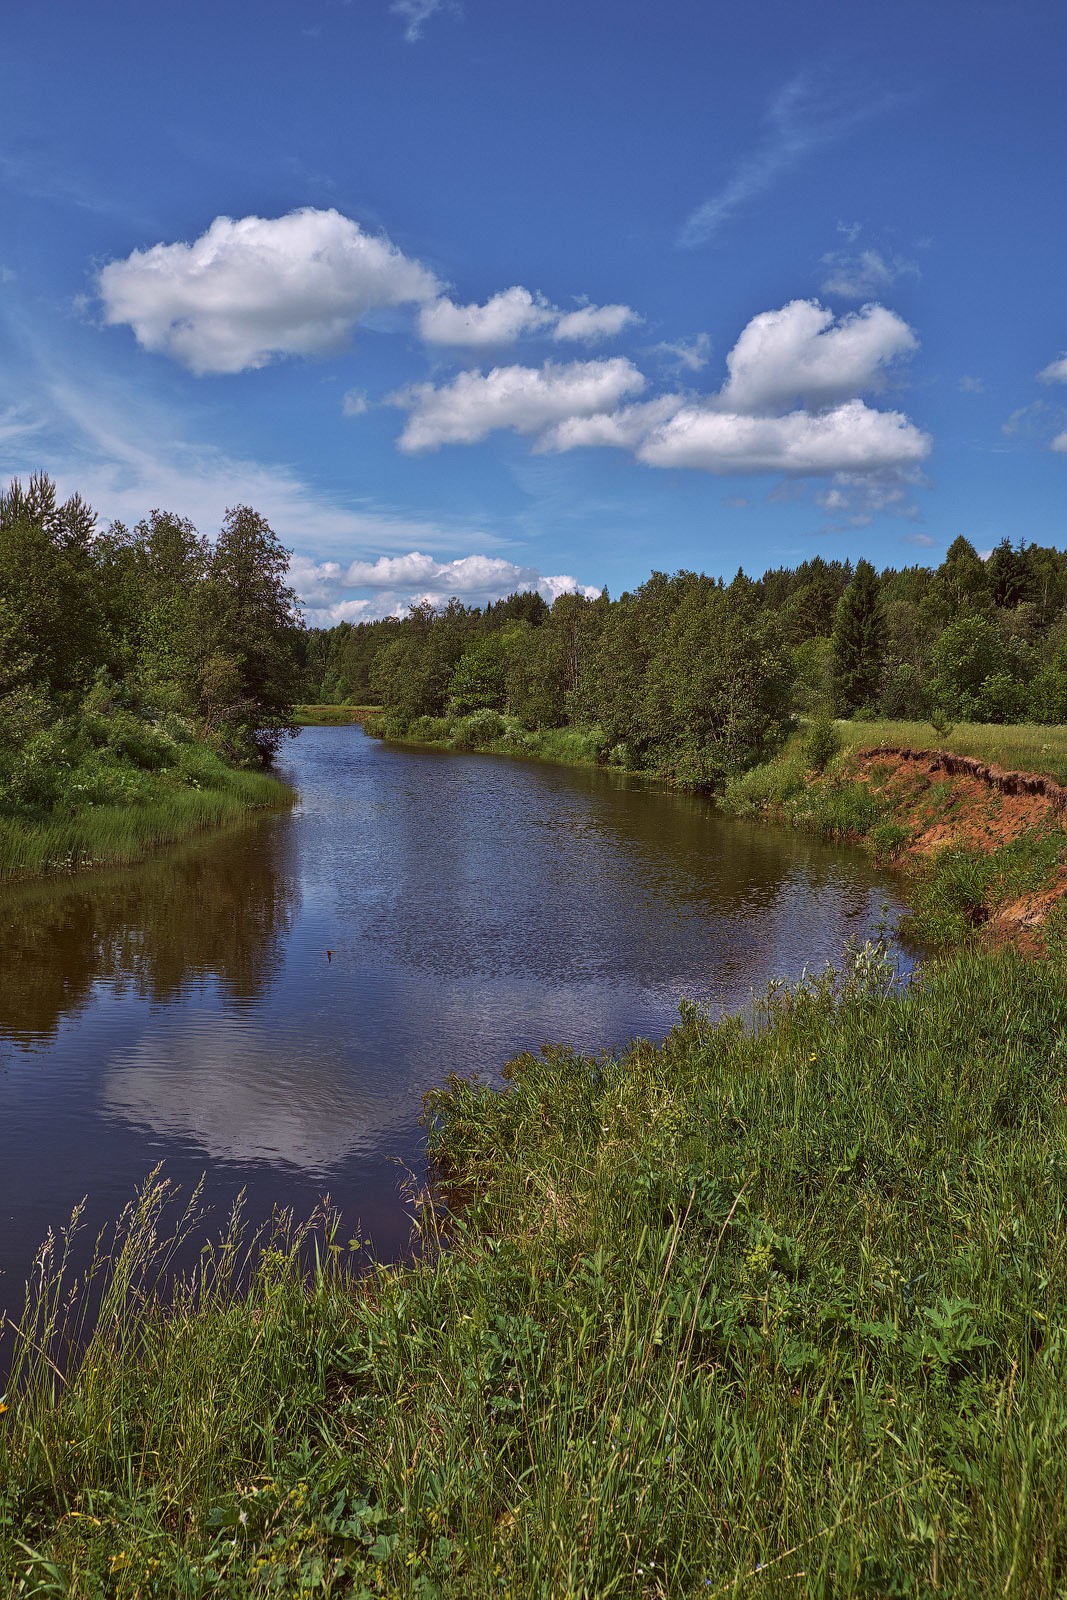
(139, 670)
(694, 680)
(775, 1307)
(329, 716)
(778, 1307)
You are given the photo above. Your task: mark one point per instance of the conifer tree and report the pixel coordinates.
(858, 642)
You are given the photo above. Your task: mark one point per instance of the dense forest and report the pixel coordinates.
(130, 656)
(695, 679)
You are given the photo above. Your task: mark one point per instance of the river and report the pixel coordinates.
(268, 1006)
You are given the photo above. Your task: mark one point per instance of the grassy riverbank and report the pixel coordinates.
(1025, 747)
(332, 715)
(494, 733)
(982, 855)
(91, 804)
(777, 1308)
(973, 858)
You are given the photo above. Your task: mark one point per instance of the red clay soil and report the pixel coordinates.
(945, 799)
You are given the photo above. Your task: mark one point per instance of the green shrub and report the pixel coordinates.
(763, 788)
(822, 742)
(887, 839)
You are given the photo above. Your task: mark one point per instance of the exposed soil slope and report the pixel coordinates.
(947, 801)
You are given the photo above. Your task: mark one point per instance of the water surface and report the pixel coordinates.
(268, 1006)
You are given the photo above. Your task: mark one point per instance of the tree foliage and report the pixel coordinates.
(692, 678)
(119, 629)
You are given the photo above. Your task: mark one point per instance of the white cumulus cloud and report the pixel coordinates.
(255, 288)
(1060, 443)
(792, 404)
(800, 353)
(622, 429)
(527, 399)
(506, 316)
(502, 320)
(848, 438)
(396, 583)
(590, 323)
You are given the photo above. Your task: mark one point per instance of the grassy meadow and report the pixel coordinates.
(777, 1308)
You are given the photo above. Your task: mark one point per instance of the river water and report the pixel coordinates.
(267, 1007)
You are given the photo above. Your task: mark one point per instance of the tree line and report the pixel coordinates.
(695, 678)
(109, 635)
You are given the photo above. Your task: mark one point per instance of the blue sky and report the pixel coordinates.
(470, 295)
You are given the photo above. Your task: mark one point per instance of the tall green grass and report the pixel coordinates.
(496, 733)
(1024, 747)
(169, 809)
(777, 1308)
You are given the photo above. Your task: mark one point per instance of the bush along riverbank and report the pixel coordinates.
(777, 1307)
(494, 733)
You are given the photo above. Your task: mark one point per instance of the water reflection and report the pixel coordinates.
(186, 1011)
(221, 1083)
(213, 908)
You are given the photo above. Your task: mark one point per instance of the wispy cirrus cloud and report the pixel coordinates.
(1056, 371)
(124, 460)
(862, 274)
(808, 113)
(416, 14)
(684, 355)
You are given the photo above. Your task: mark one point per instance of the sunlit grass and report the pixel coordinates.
(328, 716)
(1024, 747)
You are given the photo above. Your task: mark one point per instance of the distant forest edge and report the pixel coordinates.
(149, 664)
(695, 680)
(145, 675)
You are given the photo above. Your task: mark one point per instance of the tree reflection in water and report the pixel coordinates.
(217, 908)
